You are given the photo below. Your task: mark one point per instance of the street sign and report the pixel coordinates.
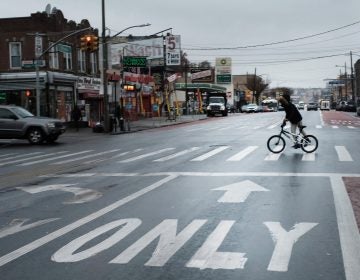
(223, 79)
(173, 55)
(134, 61)
(64, 48)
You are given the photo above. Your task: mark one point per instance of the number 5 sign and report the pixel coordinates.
(172, 44)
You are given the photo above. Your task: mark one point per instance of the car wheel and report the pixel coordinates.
(35, 136)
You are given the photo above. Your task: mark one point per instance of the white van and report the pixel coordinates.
(325, 105)
(301, 105)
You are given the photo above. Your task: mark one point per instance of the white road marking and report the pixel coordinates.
(22, 155)
(211, 153)
(146, 155)
(85, 157)
(351, 127)
(335, 126)
(319, 126)
(31, 158)
(54, 158)
(64, 230)
(66, 253)
(343, 154)
(169, 242)
(273, 156)
(308, 156)
(284, 243)
(17, 225)
(239, 156)
(177, 154)
(208, 257)
(239, 191)
(81, 195)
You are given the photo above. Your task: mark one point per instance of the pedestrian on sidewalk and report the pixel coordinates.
(76, 117)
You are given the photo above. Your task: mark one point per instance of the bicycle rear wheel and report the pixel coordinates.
(276, 144)
(309, 143)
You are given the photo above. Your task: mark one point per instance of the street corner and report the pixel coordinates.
(352, 185)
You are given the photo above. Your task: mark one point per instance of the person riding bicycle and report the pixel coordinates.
(293, 116)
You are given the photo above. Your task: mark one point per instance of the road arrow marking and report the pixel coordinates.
(238, 192)
(17, 225)
(81, 195)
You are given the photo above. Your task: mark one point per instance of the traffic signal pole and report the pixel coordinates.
(105, 67)
(38, 57)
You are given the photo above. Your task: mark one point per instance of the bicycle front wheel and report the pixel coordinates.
(309, 143)
(276, 144)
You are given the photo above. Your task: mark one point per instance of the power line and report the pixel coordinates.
(278, 42)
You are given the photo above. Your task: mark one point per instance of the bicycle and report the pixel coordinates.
(276, 143)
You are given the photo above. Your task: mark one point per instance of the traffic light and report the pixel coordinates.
(28, 93)
(95, 43)
(89, 43)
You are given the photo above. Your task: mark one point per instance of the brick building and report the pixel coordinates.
(67, 75)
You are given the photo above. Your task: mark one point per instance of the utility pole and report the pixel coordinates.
(352, 78)
(103, 72)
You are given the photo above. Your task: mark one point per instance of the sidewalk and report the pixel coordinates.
(135, 126)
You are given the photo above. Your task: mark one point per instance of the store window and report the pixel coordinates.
(15, 55)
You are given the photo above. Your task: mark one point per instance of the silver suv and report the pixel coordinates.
(18, 123)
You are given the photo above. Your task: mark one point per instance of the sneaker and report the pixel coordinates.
(296, 146)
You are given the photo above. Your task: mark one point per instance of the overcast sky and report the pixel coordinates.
(233, 28)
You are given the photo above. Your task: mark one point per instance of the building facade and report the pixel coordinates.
(66, 76)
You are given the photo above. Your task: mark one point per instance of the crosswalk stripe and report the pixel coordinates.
(54, 158)
(31, 158)
(318, 126)
(22, 155)
(343, 154)
(351, 127)
(308, 157)
(273, 157)
(146, 155)
(177, 154)
(85, 157)
(335, 126)
(239, 156)
(210, 154)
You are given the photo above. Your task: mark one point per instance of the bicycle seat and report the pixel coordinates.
(302, 126)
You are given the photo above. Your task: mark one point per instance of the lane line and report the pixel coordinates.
(54, 158)
(177, 154)
(85, 157)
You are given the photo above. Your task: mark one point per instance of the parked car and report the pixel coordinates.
(18, 123)
(350, 106)
(312, 106)
(340, 106)
(358, 111)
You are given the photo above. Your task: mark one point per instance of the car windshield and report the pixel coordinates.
(22, 112)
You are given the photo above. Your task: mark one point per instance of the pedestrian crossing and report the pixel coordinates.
(223, 153)
(231, 127)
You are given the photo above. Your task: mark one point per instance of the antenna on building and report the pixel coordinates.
(48, 9)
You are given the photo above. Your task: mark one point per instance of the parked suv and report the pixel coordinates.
(18, 123)
(312, 106)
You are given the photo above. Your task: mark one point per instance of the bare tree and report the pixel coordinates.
(257, 85)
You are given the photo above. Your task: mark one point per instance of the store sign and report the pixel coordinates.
(223, 79)
(173, 55)
(134, 61)
(89, 83)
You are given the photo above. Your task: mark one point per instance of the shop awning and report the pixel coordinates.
(201, 86)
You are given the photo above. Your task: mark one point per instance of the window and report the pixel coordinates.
(93, 61)
(53, 58)
(6, 114)
(81, 60)
(67, 61)
(15, 55)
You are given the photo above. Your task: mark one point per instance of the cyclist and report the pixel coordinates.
(293, 116)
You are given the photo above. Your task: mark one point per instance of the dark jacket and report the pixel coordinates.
(292, 113)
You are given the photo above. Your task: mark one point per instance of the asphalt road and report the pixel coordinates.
(203, 200)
